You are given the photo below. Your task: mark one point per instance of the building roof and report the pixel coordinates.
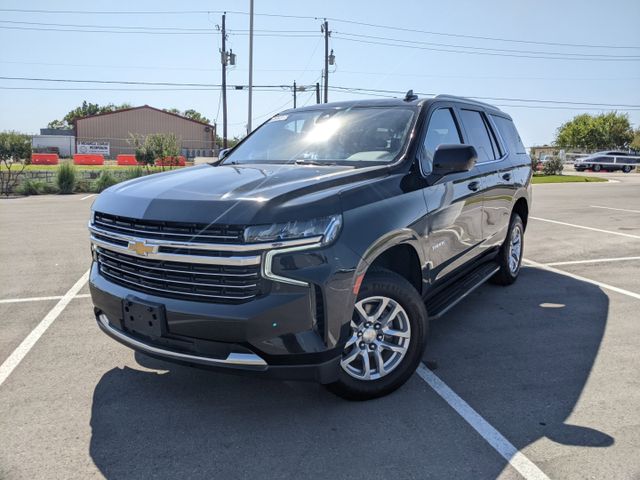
(141, 107)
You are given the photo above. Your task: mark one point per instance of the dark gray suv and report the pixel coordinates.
(321, 246)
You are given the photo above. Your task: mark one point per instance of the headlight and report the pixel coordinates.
(327, 227)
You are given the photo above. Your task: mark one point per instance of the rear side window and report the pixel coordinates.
(509, 134)
(442, 129)
(479, 135)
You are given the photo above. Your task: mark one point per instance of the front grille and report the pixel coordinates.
(180, 231)
(185, 281)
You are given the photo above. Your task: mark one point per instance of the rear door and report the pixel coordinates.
(454, 231)
(495, 169)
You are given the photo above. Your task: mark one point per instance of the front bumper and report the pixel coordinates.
(234, 362)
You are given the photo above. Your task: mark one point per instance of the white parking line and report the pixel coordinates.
(88, 196)
(40, 299)
(619, 209)
(606, 286)
(493, 437)
(595, 260)
(27, 344)
(628, 235)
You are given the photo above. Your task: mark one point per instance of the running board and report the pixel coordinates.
(444, 301)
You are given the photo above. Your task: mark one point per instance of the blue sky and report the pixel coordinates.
(194, 57)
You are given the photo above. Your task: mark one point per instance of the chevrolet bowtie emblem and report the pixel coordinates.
(141, 248)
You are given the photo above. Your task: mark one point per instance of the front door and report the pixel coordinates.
(454, 228)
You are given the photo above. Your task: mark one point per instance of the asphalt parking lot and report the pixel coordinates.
(537, 380)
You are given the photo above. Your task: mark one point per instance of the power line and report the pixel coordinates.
(416, 47)
(318, 17)
(478, 37)
(533, 52)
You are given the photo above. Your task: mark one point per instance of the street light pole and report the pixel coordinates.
(250, 65)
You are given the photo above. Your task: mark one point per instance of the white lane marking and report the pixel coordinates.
(40, 299)
(628, 235)
(493, 437)
(27, 344)
(619, 209)
(595, 260)
(606, 286)
(88, 196)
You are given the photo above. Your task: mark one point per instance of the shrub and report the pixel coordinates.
(534, 163)
(48, 188)
(553, 166)
(83, 186)
(31, 187)
(134, 172)
(105, 180)
(66, 178)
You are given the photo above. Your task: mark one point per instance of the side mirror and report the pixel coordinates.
(453, 158)
(223, 153)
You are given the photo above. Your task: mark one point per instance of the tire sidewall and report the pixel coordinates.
(389, 284)
(515, 220)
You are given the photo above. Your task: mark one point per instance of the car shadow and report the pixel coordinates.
(521, 365)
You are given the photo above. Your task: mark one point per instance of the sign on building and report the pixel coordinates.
(93, 147)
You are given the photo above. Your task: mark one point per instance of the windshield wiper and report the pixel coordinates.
(306, 161)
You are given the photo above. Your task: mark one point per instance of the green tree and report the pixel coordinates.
(15, 149)
(635, 143)
(595, 132)
(156, 146)
(84, 110)
(191, 113)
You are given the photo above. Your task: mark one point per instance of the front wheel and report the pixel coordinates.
(597, 168)
(510, 256)
(388, 333)
(626, 168)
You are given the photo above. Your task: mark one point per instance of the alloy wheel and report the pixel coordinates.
(380, 337)
(515, 249)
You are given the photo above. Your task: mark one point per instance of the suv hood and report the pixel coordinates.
(235, 194)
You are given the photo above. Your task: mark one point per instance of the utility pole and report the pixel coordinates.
(223, 58)
(325, 30)
(317, 92)
(294, 94)
(250, 65)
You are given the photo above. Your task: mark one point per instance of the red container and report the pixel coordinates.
(172, 161)
(44, 158)
(126, 159)
(88, 159)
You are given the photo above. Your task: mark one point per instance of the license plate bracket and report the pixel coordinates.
(143, 318)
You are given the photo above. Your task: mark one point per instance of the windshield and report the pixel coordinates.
(358, 136)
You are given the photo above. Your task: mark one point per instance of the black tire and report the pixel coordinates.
(382, 282)
(597, 168)
(506, 275)
(626, 169)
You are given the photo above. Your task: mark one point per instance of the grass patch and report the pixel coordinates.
(538, 178)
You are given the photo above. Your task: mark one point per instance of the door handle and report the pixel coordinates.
(506, 176)
(473, 185)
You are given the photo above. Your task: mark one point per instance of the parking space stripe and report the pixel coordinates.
(628, 235)
(606, 286)
(88, 196)
(493, 437)
(27, 344)
(40, 299)
(619, 209)
(594, 260)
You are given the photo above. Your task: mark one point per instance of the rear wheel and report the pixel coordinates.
(510, 255)
(388, 333)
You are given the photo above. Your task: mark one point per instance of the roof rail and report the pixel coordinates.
(464, 99)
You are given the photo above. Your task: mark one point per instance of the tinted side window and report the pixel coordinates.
(476, 128)
(442, 129)
(509, 134)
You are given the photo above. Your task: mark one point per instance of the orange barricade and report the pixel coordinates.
(169, 161)
(88, 159)
(44, 158)
(126, 159)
